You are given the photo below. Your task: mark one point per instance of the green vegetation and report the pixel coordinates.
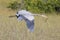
(14, 5)
(42, 5)
(39, 5)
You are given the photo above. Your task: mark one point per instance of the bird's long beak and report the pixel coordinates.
(12, 16)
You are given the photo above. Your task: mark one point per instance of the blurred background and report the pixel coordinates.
(11, 29)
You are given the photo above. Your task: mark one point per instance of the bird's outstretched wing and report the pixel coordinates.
(30, 25)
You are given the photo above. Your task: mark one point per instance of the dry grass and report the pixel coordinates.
(11, 29)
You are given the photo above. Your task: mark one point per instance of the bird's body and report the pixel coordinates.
(27, 16)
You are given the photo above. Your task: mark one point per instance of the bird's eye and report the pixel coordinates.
(17, 12)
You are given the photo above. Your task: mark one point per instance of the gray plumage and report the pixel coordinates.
(28, 17)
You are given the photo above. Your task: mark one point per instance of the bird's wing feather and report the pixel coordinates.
(30, 25)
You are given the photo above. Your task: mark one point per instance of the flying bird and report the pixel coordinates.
(28, 17)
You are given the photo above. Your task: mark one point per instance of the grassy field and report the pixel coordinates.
(11, 29)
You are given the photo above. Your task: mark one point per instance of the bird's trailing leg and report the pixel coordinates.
(44, 16)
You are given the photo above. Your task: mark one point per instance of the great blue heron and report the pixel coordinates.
(28, 17)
